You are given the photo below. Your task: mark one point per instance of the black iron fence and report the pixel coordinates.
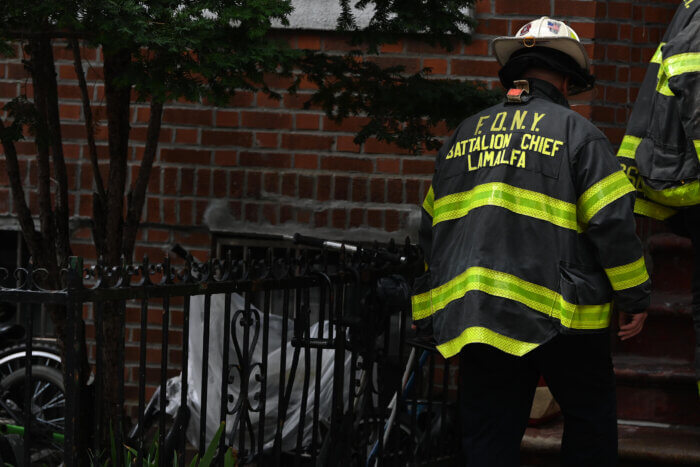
(298, 357)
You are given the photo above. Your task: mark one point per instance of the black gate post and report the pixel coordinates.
(74, 447)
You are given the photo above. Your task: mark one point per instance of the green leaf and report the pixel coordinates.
(229, 458)
(153, 449)
(211, 449)
(113, 445)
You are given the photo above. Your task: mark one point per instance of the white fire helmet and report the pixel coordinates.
(543, 32)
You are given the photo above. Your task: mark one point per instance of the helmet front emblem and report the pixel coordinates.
(529, 41)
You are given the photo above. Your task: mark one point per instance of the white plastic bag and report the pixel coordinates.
(217, 328)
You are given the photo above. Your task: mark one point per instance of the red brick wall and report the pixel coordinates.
(276, 163)
(627, 34)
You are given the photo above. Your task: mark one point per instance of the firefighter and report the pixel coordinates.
(529, 238)
(661, 151)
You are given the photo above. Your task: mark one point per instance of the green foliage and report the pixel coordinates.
(439, 22)
(24, 113)
(152, 455)
(192, 49)
(403, 109)
(197, 50)
(208, 457)
(206, 50)
(6, 49)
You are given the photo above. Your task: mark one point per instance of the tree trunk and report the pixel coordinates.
(118, 97)
(50, 247)
(56, 243)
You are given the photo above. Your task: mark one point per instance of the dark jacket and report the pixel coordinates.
(661, 150)
(528, 229)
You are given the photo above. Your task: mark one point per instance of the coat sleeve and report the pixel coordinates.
(421, 287)
(420, 301)
(605, 214)
(681, 74)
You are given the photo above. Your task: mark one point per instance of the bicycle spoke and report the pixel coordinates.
(42, 389)
(57, 401)
(52, 422)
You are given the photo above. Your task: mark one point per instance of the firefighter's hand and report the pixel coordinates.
(631, 324)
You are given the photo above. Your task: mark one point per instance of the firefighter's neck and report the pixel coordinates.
(558, 80)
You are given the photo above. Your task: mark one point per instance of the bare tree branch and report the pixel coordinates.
(19, 202)
(137, 195)
(89, 123)
(118, 97)
(99, 223)
(41, 137)
(62, 214)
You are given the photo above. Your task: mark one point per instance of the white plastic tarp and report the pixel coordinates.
(217, 328)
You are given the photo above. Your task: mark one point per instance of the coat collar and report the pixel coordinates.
(546, 90)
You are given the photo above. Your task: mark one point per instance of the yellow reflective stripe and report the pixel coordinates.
(495, 283)
(520, 201)
(583, 316)
(674, 66)
(696, 143)
(656, 58)
(662, 85)
(428, 201)
(602, 193)
(653, 210)
(479, 335)
(420, 306)
(628, 275)
(501, 284)
(687, 194)
(661, 76)
(682, 63)
(628, 147)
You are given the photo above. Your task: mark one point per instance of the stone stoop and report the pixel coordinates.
(657, 395)
(643, 445)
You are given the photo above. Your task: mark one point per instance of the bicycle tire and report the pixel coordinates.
(44, 448)
(39, 373)
(44, 352)
(401, 447)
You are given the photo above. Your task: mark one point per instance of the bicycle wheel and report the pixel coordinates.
(47, 407)
(400, 449)
(44, 353)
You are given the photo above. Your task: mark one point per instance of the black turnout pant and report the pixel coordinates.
(497, 390)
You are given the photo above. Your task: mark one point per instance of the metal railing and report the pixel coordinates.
(307, 359)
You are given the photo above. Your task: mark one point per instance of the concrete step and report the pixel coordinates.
(640, 444)
(668, 331)
(659, 390)
(671, 261)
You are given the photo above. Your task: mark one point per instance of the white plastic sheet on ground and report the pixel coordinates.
(217, 328)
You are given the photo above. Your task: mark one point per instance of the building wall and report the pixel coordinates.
(271, 166)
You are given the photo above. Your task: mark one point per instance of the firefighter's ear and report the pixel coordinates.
(564, 87)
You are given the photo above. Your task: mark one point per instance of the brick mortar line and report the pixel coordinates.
(313, 172)
(526, 18)
(283, 151)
